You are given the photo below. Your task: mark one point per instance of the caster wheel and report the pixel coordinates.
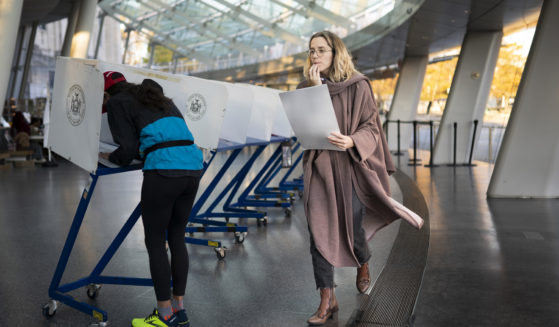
(49, 309)
(288, 212)
(93, 290)
(240, 237)
(220, 253)
(263, 221)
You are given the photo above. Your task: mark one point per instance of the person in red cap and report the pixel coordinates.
(110, 80)
(147, 124)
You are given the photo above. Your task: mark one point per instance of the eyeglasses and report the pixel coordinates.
(319, 52)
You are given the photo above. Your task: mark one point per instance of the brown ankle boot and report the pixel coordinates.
(333, 302)
(363, 280)
(322, 315)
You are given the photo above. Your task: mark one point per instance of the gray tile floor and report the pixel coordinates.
(265, 281)
(490, 262)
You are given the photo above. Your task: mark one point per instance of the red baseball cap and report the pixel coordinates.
(111, 78)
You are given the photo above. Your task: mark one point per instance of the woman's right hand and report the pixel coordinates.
(314, 75)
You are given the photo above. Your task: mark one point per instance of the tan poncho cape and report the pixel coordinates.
(329, 176)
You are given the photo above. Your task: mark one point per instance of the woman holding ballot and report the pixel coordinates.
(146, 124)
(347, 192)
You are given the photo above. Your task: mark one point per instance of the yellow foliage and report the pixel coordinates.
(508, 73)
(438, 79)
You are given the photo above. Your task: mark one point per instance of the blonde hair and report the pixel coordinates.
(342, 66)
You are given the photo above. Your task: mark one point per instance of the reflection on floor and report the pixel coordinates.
(265, 281)
(490, 262)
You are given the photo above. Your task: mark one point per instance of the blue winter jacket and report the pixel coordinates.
(136, 127)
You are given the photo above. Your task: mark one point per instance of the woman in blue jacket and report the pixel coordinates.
(146, 124)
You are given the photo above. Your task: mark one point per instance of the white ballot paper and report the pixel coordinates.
(312, 116)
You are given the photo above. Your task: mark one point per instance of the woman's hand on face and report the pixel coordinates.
(341, 141)
(314, 75)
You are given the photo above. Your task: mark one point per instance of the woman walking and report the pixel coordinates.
(346, 193)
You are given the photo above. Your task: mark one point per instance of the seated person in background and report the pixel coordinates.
(36, 126)
(21, 131)
(143, 121)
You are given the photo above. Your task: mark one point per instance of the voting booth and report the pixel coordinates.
(221, 116)
(264, 106)
(76, 130)
(238, 114)
(267, 125)
(254, 118)
(76, 115)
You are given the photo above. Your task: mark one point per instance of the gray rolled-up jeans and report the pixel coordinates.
(323, 270)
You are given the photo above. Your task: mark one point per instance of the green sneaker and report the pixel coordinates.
(156, 320)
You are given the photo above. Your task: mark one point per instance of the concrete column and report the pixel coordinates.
(27, 65)
(406, 99)
(528, 161)
(99, 35)
(15, 67)
(468, 96)
(84, 28)
(70, 28)
(10, 14)
(175, 63)
(151, 54)
(128, 30)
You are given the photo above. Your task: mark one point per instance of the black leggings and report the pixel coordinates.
(166, 205)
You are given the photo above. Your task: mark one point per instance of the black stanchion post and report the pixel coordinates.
(431, 164)
(50, 161)
(454, 147)
(385, 128)
(473, 143)
(414, 161)
(455, 140)
(398, 152)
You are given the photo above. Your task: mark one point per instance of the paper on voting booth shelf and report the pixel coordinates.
(262, 116)
(201, 102)
(237, 113)
(312, 116)
(75, 116)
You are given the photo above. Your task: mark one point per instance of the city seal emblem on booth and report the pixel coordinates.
(75, 105)
(196, 106)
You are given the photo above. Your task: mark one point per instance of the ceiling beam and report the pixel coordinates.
(274, 30)
(180, 18)
(161, 37)
(316, 11)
